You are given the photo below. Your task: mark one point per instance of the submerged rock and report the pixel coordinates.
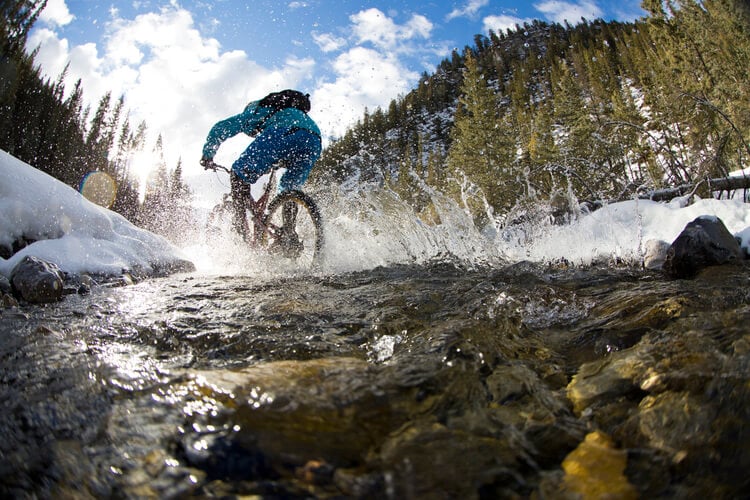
(704, 242)
(682, 397)
(332, 409)
(38, 281)
(596, 469)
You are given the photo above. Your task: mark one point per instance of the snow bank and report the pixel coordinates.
(621, 230)
(67, 229)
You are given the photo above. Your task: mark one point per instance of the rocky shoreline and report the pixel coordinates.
(703, 243)
(34, 280)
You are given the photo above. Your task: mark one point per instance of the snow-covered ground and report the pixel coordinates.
(82, 237)
(621, 231)
(70, 231)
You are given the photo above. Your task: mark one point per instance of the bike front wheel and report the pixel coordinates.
(294, 228)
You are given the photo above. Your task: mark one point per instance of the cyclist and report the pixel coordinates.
(283, 133)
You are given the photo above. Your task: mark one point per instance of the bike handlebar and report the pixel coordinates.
(211, 165)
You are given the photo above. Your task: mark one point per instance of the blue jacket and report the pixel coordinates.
(248, 121)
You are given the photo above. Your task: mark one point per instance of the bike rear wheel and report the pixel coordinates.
(294, 228)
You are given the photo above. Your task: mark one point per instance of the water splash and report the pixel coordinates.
(375, 227)
(371, 226)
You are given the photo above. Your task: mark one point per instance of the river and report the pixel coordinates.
(414, 363)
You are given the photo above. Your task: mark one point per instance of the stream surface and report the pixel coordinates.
(428, 372)
(406, 381)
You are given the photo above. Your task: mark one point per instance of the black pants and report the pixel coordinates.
(240, 197)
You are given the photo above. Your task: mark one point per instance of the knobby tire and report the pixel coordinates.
(308, 222)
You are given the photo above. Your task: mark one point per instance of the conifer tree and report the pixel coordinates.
(16, 19)
(481, 148)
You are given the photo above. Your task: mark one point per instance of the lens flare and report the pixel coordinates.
(99, 187)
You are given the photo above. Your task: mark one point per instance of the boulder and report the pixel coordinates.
(596, 469)
(4, 285)
(655, 254)
(37, 281)
(704, 242)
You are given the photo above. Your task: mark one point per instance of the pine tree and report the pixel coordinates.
(16, 19)
(481, 148)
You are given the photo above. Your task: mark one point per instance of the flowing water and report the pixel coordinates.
(420, 361)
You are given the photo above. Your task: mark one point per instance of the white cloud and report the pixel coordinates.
(56, 13)
(501, 23)
(328, 42)
(364, 78)
(370, 71)
(373, 26)
(559, 11)
(469, 10)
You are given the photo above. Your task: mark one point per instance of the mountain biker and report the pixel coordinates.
(282, 134)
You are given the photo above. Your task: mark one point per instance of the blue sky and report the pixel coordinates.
(182, 65)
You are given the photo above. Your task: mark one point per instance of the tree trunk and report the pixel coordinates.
(713, 185)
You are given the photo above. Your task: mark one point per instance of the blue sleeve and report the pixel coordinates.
(229, 127)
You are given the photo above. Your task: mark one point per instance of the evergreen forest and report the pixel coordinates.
(51, 129)
(559, 114)
(534, 115)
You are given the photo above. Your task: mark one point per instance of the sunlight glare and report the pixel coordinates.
(140, 166)
(99, 187)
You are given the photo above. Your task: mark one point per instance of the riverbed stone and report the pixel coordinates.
(37, 280)
(704, 242)
(332, 409)
(466, 462)
(596, 469)
(680, 397)
(9, 301)
(4, 284)
(603, 381)
(655, 254)
(677, 423)
(658, 363)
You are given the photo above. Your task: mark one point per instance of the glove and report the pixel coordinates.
(207, 163)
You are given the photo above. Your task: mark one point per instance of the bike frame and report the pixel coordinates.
(258, 207)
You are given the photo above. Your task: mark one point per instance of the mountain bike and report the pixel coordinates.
(289, 225)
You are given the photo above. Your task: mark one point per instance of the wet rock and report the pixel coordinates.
(332, 409)
(430, 460)
(172, 267)
(655, 254)
(37, 281)
(8, 250)
(519, 397)
(704, 242)
(5, 285)
(604, 381)
(658, 363)
(78, 284)
(356, 484)
(596, 469)
(9, 301)
(682, 398)
(220, 456)
(677, 423)
(315, 472)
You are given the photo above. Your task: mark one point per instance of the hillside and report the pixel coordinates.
(600, 110)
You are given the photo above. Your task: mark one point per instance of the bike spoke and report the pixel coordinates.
(293, 228)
